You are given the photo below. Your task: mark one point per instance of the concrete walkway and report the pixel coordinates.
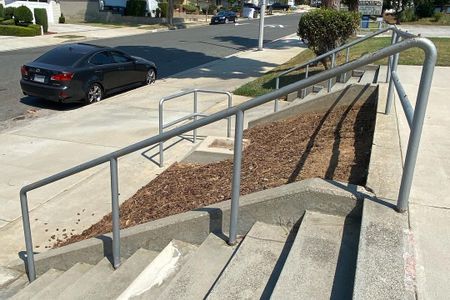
(52, 144)
(427, 30)
(429, 209)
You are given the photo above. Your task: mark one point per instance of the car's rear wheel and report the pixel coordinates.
(151, 76)
(94, 93)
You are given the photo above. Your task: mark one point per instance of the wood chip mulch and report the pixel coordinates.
(331, 145)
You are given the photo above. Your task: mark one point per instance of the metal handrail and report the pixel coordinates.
(424, 89)
(333, 53)
(194, 115)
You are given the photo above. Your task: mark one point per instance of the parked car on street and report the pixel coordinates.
(84, 72)
(224, 17)
(279, 6)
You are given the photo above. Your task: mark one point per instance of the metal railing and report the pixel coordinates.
(238, 111)
(195, 115)
(333, 54)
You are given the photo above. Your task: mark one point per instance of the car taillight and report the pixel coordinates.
(62, 77)
(24, 71)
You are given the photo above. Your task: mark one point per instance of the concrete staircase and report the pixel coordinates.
(315, 262)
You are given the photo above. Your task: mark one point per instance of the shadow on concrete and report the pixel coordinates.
(107, 247)
(215, 221)
(46, 104)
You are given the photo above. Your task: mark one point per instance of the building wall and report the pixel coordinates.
(80, 10)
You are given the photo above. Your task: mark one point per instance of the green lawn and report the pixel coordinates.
(415, 56)
(445, 20)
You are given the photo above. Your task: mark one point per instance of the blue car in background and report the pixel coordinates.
(224, 17)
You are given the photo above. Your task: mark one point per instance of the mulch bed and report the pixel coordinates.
(331, 145)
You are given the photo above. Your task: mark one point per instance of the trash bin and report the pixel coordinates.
(248, 12)
(365, 22)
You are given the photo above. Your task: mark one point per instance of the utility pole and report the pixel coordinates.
(262, 12)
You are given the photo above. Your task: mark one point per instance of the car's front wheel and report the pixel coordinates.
(151, 76)
(94, 93)
(227, 21)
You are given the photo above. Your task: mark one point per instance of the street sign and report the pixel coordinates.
(370, 7)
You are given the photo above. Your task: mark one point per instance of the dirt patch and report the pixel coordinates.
(331, 145)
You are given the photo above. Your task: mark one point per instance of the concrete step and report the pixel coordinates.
(321, 263)
(198, 275)
(152, 281)
(40, 283)
(113, 285)
(251, 273)
(59, 284)
(370, 76)
(92, 278)
(13, 287)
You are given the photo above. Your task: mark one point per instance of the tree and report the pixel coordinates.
(353, 5)
(334, 4)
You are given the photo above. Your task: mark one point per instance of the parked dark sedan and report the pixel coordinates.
(224, 17)
(279, 6)
(84, 72)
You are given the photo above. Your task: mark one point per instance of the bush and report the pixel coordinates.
(437, 16)
(2, 11)
(326, 29)
(8, 22)
(9, 12)
(425, 9)
(136, 8)
(164, 6)
(408, 15)
(23, 15)
(62, 19)
(190, 9)
(40, 17)
(30, 30)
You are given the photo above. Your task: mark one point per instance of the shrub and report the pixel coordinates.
(136, 8)
(2, 11)
(164, 6)
(326, 29)
(62, 19)
(408, 15)
(8, 22)
(30, 30)
(425, 9)
(40, 17)
(9, 12)
(437, 16)
(23, 15)
(190, 9)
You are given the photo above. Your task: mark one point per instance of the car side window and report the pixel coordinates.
(120, 58)
(102, 58)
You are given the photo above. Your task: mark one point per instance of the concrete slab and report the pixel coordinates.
(37, 285)
(7, 276)
(14, 287)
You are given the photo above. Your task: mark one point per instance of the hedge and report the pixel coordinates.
(40, 17)
(164, 6)
(190, 8)
(136, 8)
(8, 22)
(9, 12)
(23, 14)
(30, 30)
(2, 11)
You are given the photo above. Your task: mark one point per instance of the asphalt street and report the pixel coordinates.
(172, 51)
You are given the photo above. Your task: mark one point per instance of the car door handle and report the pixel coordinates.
(121, 68)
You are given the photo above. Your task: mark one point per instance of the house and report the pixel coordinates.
(52, 7)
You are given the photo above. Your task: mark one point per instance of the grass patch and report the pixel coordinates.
(266, 83)
(70, 36)
(444, 20)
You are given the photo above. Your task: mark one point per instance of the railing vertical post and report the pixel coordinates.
(303, 92)
(388, 68)
(236, 182)
(277, 86)
(195, 116)
(115, 212)
(27, 233)
(347, 58)
(230, 104)
(390, 95)
(416, 130)
(161, 144)
(333, 60)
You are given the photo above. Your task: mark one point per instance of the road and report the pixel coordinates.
(172, 51)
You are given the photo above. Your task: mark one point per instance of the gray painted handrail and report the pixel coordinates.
(419, 113)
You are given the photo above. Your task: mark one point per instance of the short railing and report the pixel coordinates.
(194, 115)
(334, 53)
(238, 111)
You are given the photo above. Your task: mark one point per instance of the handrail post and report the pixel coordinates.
(195, 116)
(161, 144)
(115, 212)
(388, 73)
(277, 86)
(347, 58)
(28, 239)
(416, 130)
(303, 91)
(236, 181)
(230, 104)
(390, 94)
(333, 61)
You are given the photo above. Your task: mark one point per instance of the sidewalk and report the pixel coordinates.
(429, 209)
(54, 143)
